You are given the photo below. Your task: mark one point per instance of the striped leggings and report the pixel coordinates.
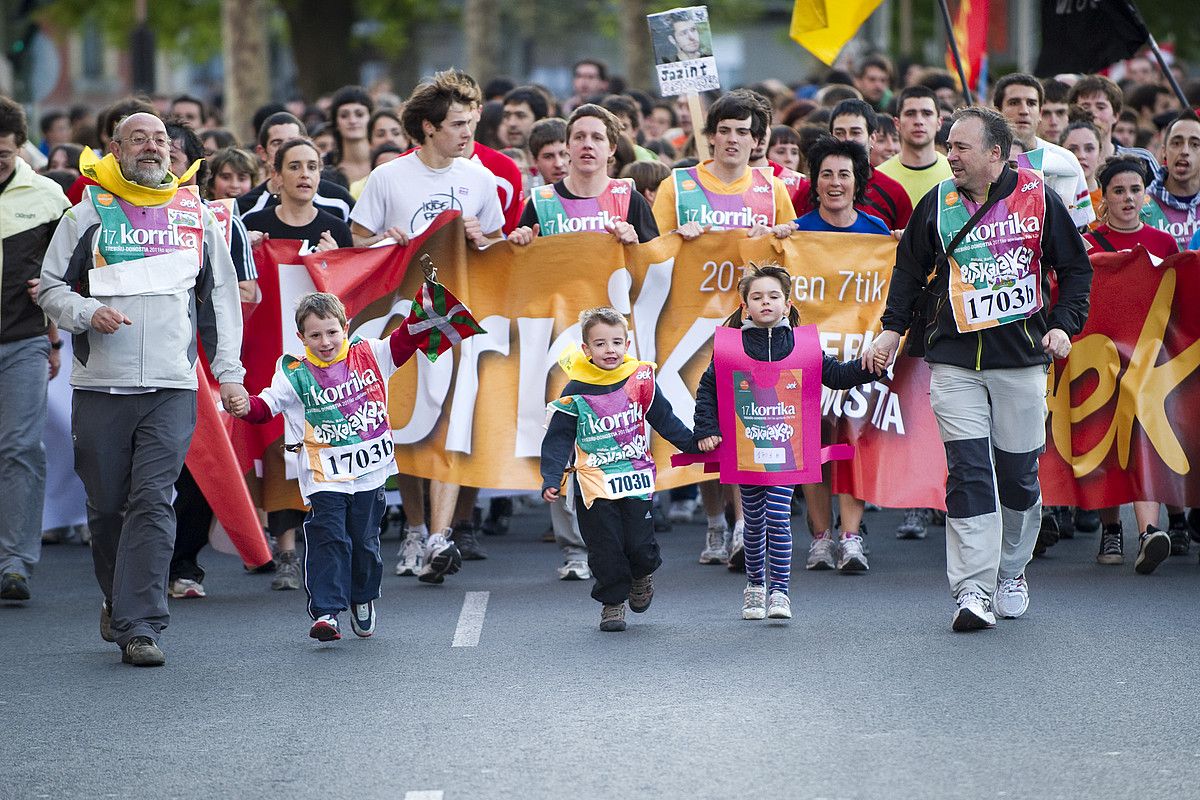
(768, 534)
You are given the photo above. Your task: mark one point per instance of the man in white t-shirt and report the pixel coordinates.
(1019, 98)
(400, 200)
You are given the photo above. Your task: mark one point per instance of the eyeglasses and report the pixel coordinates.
(140, 139)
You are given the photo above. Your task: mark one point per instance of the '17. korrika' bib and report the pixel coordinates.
(558, 214)
(612, 442)
(996, 271)
(694, 203)
(129, 232)
(346, 430)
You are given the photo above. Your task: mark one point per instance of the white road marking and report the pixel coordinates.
(424, 794)
(470, 624)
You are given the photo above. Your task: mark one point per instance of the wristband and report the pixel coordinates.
(57, 345)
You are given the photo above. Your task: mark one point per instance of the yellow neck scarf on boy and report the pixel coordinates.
(107, 172)
(341, 354)
(578, 367)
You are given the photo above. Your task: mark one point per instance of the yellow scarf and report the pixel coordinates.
(579, 368)
(107, 172)
(341, 354)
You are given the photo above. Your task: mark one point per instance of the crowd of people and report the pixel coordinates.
(141, 221)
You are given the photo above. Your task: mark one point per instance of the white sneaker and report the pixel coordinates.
(973, 613)
(362, 619)
(441, 559)
(737, 547)
(822, 553)
(182, 588)
(754, 602)
(682, 511)
(780, 606)
(1012, 597)
(574, 571)
(412, 553)
(715, 551)
(850, 554)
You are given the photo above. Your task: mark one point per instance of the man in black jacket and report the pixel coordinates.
(988, 338)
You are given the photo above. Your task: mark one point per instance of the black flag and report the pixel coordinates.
(1088, 35)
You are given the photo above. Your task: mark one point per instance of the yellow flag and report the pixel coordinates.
(823, 28)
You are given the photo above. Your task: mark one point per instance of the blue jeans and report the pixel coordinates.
(342, 564)
(24, 373)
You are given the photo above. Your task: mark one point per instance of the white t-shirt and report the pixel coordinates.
(1065, 177)
(281, 398)
(406, 194)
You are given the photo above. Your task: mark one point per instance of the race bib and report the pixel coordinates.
(350, 461)
(626, 484)
(989, 304)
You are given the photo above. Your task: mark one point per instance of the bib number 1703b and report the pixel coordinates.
(624, 484)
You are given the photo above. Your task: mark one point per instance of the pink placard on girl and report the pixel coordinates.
(770, 414)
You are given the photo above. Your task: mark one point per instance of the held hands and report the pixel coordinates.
(882, 352)
(108, 320)
(1056, 343)
(550, 495)
(708, 443)
(235, 399)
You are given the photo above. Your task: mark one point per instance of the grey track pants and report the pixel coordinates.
(993, 425)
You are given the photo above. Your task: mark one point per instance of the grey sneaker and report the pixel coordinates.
(754, 602)
(973, 613)
(287, 572)
(913, 527)
(412, 553)
(143, 652)
(641, 594)
(467, 542)
(574, 571)
(362, 618)
(850, 554)
(737, 547)
(715, 550)
(822, 553)
(106, 622)
(780, 606)
(1012, 597)
(612, 617)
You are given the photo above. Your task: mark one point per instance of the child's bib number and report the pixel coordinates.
(624, 484)
(355, 460)
(1018, 300)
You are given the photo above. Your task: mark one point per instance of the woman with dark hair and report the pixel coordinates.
(784, 149)
(385, 128)
(298, 165)
(349, 114)
(64, 157)
(487, 131)
(839, 172)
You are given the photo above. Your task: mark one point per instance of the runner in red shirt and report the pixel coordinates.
(1123, 182)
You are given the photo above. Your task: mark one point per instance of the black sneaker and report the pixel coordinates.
(1087, 520)
(1047, 535)
(1065, 517)
(13, 586)
(1112, 546)
(142, 652)
(1181, 541)
(467, 542)
(1153, 549)
(1193, 519)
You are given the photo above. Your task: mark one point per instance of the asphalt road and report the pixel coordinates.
(865, 694)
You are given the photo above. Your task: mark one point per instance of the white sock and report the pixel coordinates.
(422, 529)
(716, 520)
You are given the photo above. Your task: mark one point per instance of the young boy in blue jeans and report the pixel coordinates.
(334, 403)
